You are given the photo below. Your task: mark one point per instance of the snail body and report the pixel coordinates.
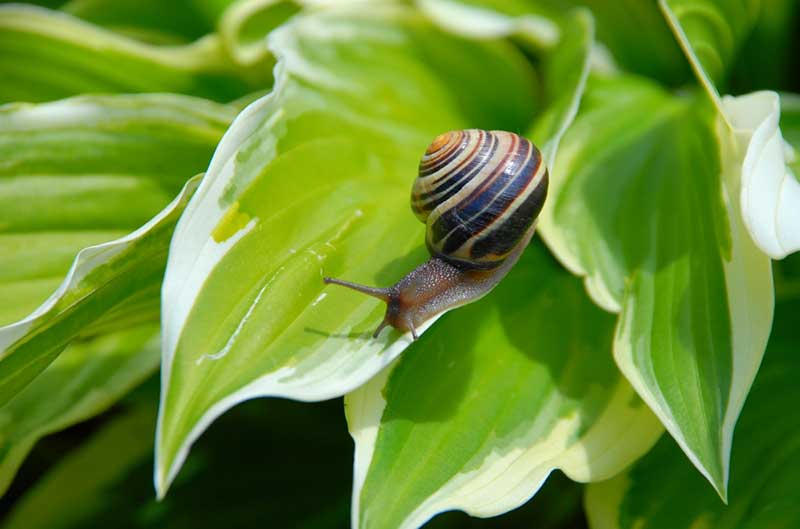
(479, 194)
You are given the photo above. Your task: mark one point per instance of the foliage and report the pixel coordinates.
(646, 305)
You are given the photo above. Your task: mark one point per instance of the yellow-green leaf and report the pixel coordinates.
(477, 413)
(314, 179)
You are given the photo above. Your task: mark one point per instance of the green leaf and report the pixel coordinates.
(638, 205)
(726, 41)
(104, 479)
(661, 491)
(47, 55)
(566, 70)
(154, 21)
(76, 486)
(477, 413)
(313, 178)
(80, 172)
(86, 171)
(621, 25)
(527, 21)
(711, 33)
(638, 38)
(109, 286)
(774, 33)
(790, 126)
(85, 380)
(569, 38)
(244, 26)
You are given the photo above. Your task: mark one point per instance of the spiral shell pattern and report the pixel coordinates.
(479, 193)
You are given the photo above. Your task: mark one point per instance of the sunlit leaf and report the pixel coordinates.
(525, 20)
(47, 55)
(663, 492)
(244, 26)
(313, 178)
(569, 39)
(695, 294)
(87, 378)
(77, 174)
(477, 414)
(86, 171)
(109, 286)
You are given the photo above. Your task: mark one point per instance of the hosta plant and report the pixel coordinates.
(177, 178)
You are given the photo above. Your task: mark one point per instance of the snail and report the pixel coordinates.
(478, 193)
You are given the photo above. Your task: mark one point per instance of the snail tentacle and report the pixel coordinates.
(380, 293)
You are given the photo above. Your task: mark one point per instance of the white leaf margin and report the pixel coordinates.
(193, 254)
(624, 431)
(770, 194)
(199, 55)
(505, 481)
(477, 22)
(87, 259)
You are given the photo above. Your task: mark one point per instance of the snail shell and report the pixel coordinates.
(478, 193)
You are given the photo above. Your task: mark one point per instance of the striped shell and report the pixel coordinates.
(479, 193)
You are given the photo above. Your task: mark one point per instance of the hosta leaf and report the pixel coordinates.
(244, 26)
(621, 25)
(695, 294)
(775, 33)
(151, 20)
(709, 32)
(790, 127)
(477, 414)
(566, 70)
(76, 486)
(77, 174)
(527, 21)
(638, 37)
(566, 67)
(313, 178)
(47, 55)
(85, 171)
(790, 119)
(569, 37)
(104, 478)
(728, 39)
(662, 491)
(109, 286)
(87, 378)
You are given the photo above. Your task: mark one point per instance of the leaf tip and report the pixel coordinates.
(721, 487)
(160, 483)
